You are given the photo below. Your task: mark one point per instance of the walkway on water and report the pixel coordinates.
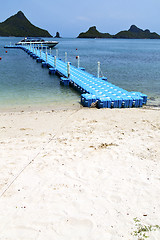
(93, 89)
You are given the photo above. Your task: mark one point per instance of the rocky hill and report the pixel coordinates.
(19, 26)
(133, 33)
(57, 35)
(94, 33)
(136, 33)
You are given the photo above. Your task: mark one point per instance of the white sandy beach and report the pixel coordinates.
(80, 174)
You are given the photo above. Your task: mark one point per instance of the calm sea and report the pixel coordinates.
(131, 64)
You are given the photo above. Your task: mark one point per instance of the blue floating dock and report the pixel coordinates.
(92, 88)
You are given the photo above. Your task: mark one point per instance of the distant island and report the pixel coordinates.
(94, 33)
(133, 33)
(57, 35)
(19, 26)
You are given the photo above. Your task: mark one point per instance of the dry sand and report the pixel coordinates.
(80, 174)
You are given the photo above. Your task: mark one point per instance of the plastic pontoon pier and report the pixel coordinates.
(93, 89)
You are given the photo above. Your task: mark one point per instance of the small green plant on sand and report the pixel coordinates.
(142, 230)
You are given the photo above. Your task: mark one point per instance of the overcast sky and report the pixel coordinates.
(70, 17)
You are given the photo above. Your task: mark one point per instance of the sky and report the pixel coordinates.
(70, 17)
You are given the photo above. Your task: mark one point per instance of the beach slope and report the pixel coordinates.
(79, 174)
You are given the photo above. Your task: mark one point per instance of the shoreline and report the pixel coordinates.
(81, 173)
(58, 107)
(34, 108)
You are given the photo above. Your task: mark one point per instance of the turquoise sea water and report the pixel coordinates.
(131, 64)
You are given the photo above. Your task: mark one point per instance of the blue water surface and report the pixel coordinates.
(131, 64)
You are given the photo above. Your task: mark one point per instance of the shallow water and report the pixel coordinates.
(131, 64)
